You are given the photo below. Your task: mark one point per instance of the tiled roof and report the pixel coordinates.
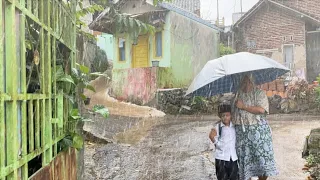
(189, 5)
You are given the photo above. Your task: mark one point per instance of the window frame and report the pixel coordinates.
(155, 45)
(119, 50)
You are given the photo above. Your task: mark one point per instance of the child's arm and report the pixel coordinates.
(212, 135)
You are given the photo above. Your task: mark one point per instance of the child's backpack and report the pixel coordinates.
(220, 130)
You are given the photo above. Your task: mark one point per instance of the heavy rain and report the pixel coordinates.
(160, 89)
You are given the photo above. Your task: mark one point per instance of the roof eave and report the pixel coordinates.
(278, 5)
(249, 13)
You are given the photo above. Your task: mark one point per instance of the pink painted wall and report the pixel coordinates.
(137, 85)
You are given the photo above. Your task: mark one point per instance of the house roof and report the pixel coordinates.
(104, 23)
(283, 7)
(99, 26)
(189, 5)
(189, 15)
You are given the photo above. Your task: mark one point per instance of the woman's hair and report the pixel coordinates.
(223, 108)
(250, 77)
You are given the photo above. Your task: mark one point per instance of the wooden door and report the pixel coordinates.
(140, 56)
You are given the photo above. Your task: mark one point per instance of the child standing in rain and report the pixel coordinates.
(224, 138)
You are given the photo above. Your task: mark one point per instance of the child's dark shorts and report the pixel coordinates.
(227, 170)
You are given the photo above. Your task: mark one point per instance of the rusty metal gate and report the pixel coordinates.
(313, 55)
(36, 36)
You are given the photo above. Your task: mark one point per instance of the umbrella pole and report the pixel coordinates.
(238, 113)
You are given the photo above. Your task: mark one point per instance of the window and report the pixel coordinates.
(158, 44)
(122, 49)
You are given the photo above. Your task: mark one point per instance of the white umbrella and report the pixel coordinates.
(223, 75)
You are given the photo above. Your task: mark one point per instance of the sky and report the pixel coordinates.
(226, 8)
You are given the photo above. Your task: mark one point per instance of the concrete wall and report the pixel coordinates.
(313, 55)
(268, 30)
(192, 45)
(136, 85)
(105, 42)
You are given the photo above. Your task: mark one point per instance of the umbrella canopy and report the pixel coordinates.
(224, 74)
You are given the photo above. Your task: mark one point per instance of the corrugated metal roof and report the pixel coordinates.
(189, 5)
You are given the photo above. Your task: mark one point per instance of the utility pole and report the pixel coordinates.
(218, 11)
(241, 6)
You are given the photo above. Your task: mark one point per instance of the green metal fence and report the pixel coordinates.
(36, 36)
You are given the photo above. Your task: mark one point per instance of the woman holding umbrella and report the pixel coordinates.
(254, 140)
(240, 73)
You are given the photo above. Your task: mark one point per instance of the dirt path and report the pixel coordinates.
(116, 107)
(178, 148)
(288, 139)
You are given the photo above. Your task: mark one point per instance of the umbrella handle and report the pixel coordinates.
(238, 114)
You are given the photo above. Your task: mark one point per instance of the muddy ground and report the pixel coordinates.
(178, 148)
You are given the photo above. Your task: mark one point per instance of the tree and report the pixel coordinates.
(123, 22)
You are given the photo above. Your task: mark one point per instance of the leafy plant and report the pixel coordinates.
(199, 103)
(225, 50)
(100, 62)
(72, 140)
(72, 86)
(122, 22)
(101, 110)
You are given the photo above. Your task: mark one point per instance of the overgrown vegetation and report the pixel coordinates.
(73, 87)
(225, 50)
(100, 62)
(123, 23)
(313, 166)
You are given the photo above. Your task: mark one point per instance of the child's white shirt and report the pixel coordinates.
(226, 144)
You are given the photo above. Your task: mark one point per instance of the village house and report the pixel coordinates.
(287, 31)
(169, 58)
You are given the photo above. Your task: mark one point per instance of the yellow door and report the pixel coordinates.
(140, 54)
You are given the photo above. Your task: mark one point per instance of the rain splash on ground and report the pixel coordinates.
(178, 148)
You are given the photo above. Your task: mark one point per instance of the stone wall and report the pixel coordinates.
(174, 101)
(301, 98)
(311, 153)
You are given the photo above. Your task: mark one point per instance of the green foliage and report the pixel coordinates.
(313, 160)
(225, 50)
(100, 62)
(313, 164)
(101, 110)
(62, 77)
(123, 23)
(126, 24)
(72, 140)
(199, 102)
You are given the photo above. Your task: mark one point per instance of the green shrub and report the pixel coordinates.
(225, 50)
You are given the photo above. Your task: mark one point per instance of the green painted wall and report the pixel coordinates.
(192, 45)
(105, 42)
(128, 45)
(187, 46)
(164, 61)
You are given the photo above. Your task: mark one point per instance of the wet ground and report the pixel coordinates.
(179, 148)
